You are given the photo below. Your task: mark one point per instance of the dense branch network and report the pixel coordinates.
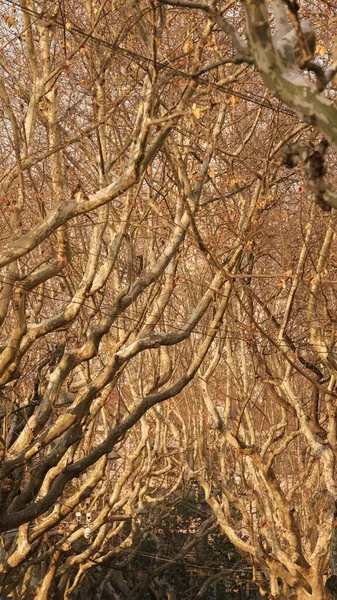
(168, 305)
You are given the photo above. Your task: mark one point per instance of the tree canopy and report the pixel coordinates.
(168, 292)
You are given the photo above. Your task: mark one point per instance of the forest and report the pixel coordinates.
(168, 307)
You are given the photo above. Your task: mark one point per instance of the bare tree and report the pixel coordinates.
(97, 204)
(154, 238)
